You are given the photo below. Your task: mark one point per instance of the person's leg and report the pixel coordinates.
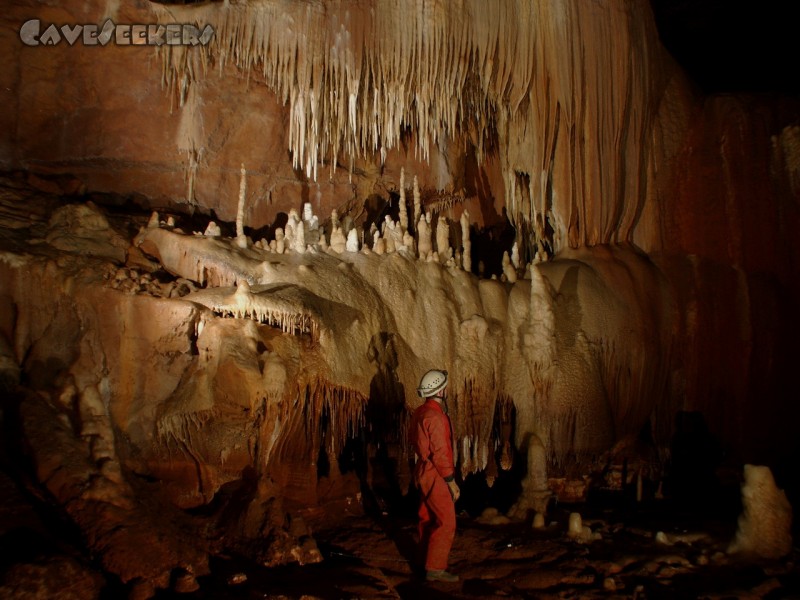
(424, 529)
(440, 503)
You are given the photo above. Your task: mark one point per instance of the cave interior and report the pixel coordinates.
(227, 258)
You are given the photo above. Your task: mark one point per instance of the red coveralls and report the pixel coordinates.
(431, 439)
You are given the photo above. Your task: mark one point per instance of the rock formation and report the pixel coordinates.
(212, 383)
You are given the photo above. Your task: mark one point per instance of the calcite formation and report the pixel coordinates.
(193, 393)
(267, 360)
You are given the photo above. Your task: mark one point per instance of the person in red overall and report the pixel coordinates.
(434, 475)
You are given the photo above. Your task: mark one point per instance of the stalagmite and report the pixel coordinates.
(299, 241)
(424, 245)
(408, 243)
(515, 255)
(466, 244)
(352, 241)
(575, 527)
(378, 243)
(212, 230)
(387, 230)
(338, 241)
(403, 208)
(508, 269)
(311, 231)
(290, 230)
(536, 492)
(154, 220)
(280, 241)
(241, 239)
(765, 525)
(442, 238)
(579, 532)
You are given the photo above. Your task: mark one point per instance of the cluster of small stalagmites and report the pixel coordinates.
(429, 241)
(132, 281)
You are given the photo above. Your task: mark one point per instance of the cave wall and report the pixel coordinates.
(577, 126)
(668, 221)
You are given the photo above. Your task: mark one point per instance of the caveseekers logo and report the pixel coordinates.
(175, 34)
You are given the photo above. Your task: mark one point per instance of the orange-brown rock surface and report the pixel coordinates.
(200, 388)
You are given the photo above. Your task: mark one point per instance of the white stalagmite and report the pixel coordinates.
(299, 241)
(515, 255)
(290, 228)
(154, 220)
(466, 244)
(280, 241)
(403, 208)
(352, 241)
(308, 213)
(212, 230)
(392, 232)
(241, 239)
(765, 525)
(424, 245)
(442, 238)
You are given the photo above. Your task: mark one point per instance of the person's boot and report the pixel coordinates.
(440, 575)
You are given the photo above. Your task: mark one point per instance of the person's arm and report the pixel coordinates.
(442, 457)
(441, 453)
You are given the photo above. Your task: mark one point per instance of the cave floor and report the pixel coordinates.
(372, 557)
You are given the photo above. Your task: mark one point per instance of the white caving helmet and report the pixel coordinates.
(432, 382)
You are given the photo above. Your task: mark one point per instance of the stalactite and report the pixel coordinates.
(475, 406)
(440, 68)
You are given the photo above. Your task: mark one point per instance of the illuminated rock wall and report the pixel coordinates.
(661, 224)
